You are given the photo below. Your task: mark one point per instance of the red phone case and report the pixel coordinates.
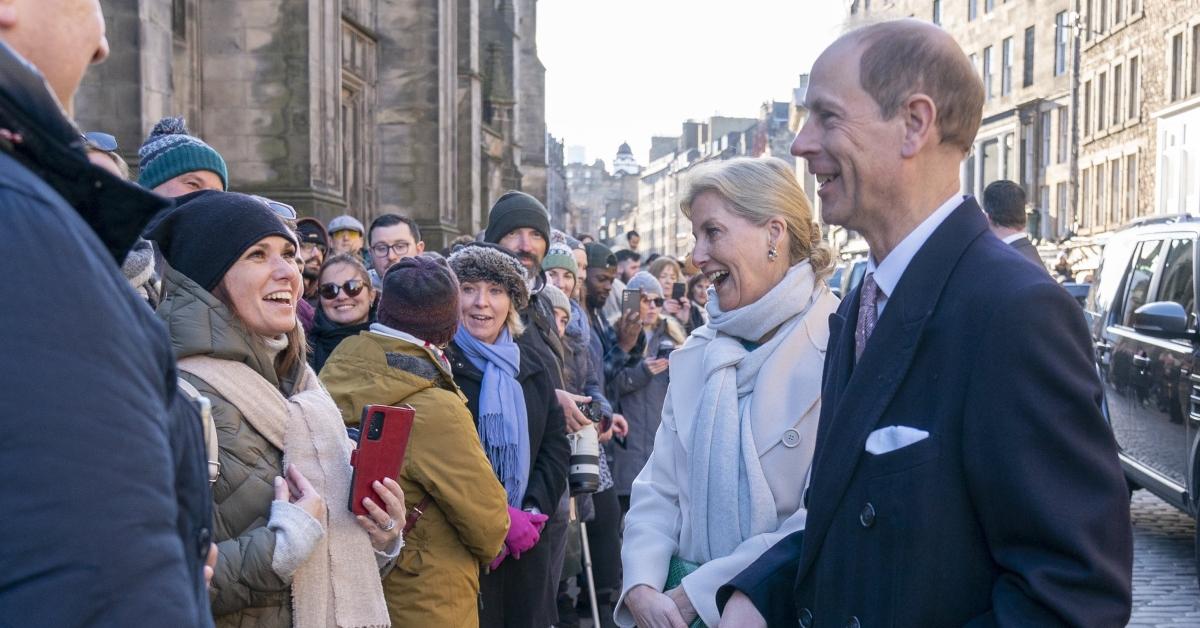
(381, 457)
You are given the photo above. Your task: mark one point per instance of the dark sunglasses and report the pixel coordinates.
(658, 302)
(101, 141)
(283, 209)
(330, 291)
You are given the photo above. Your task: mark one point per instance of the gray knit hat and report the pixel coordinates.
(645, 282)
(171, 151)
(557, 298)
(489, 262)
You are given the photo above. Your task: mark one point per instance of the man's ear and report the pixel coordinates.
(920, 124)
(420, 247)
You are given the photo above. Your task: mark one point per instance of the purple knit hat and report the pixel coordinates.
(420, 297)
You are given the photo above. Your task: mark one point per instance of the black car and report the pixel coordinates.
(1142, 313)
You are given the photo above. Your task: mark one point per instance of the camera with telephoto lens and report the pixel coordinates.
(591, 410)
(584, 469)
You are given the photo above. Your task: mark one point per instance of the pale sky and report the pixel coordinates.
(624, 70)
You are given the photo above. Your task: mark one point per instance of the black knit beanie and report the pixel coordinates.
(599, 256)
(207, 231)
(516, 210)
(489, 262)
(420, 297)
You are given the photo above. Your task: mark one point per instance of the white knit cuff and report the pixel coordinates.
(296, 535)
(383, 558)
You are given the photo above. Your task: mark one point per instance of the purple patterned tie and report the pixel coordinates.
(867, 315)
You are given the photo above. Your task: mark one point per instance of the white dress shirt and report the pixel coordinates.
(888, 273)
(1009, 239)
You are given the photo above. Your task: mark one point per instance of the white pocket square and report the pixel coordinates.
(888, 439)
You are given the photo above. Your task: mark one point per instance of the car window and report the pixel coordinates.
(1141, 275)
(1176, 284)
(1105, 290)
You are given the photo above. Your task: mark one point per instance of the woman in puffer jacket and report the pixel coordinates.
(291, 553)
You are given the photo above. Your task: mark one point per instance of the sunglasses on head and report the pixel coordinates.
(101, 141)
(283, 209)
(330, 291)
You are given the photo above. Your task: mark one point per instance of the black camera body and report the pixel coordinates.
(591, 410)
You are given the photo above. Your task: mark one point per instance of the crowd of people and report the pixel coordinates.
(660, 442)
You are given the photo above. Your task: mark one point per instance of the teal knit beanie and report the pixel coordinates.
(171, 151)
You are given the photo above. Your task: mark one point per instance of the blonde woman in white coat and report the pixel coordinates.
(726, 478)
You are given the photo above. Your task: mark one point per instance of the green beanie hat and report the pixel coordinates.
(560, 256)
(170, 151)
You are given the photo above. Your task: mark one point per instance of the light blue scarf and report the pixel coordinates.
(503, 420)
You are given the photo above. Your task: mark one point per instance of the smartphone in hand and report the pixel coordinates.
(382, 441)
(631, 301)
(678, 290)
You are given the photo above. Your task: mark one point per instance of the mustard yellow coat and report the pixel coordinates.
(436, 578)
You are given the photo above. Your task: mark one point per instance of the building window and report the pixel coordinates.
(1060, 191)
(1045, 130)
(937, 12)
(1101, 98)
(1087, 21)
(1102, 22)
(1087, 107)
(988, 5)
(1135, 6)
(1061, 33)
(1176, 69)
(1131, 210)
(1114, 194)
(1116, 104)
(987, 73)
(1132, 99)
(1117, 14)
(972, 9)
(1029, 46)
(1099, 205)
(1084, 196)
(1064, 127)
(1195, 59)
(1006, 63)
(989, 163)
(1043, 208)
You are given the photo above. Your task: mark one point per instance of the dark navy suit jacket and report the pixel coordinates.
(1013, 511)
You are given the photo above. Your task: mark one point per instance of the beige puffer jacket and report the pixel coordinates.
(245, 591)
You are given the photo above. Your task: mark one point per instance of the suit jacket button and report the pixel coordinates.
(867, 516)
(806, 618)
(791, 437)
(203, 540)
(853, 623)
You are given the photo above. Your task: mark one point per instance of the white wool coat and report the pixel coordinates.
(785, 406)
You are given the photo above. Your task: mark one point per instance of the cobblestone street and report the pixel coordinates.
(1165, 592)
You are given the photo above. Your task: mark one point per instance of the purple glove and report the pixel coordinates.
(495, 564)
(524, 531)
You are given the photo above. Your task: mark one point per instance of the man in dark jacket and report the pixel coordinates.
(1004, 205)
(105, 495)
(964, 474)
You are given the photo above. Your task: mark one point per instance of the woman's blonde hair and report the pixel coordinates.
(656, 267)
(759, 189)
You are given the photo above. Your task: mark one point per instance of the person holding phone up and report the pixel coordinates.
(287, 557)
(675, 297)
(642, 388)
(458, 509)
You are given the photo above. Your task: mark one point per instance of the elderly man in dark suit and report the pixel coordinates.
(964, 473)
(1004, 204)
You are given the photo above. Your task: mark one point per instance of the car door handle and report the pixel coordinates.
(1141, 360)
(1103, 346)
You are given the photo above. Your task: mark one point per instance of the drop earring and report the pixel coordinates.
(772, 254)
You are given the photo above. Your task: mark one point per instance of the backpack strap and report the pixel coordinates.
(211, 452)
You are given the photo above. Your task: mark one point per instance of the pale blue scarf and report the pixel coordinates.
(503, 420)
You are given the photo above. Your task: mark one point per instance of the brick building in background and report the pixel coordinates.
(430, 108)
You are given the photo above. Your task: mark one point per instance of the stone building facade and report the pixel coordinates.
(429, 108)
(1022, 51)
(600, 199)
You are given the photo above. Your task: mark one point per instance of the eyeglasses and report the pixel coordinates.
(658, 302)
(311, 246)
(283, 209)
(381, 249)
(101, 141)
(330, 291)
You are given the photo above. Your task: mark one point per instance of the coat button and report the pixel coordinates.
(853, 623)
(791, 437)
(203, 540)
(867, 516)
(806, 618)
